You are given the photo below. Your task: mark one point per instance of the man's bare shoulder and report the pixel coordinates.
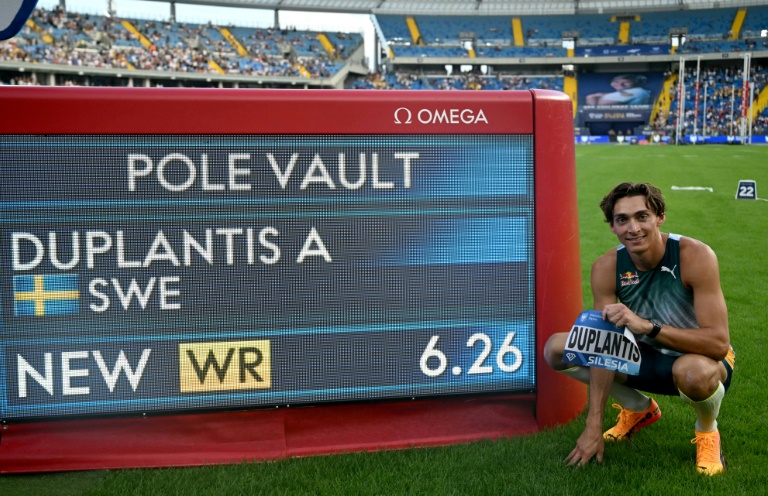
(693, 250)
(605, 262)
(603, 279)
(698, 263)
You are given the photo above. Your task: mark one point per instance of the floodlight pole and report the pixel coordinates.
(751, 103)
(704, 113)
(680, 100)
(745, 97)
(733, 97)
(696, 98)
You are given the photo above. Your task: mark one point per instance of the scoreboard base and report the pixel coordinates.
(255, 435)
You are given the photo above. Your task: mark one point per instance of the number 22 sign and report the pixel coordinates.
(747, 190)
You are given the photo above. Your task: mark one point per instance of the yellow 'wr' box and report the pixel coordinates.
(225, 366)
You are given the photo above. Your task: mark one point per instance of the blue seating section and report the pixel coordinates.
(395, 28)
(521, 52)
(707, 32)
(447, 29)
(91, 40)
(722, 46)
(461, 82)
(345, 43)
(165, 34)
(592, 29)
(117, 34)
(711, 24)
(755, 22)
(429, 51)
(720, 86)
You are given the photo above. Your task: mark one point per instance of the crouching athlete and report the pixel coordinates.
(669, 296)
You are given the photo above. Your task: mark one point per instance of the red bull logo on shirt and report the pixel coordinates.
(629, 278)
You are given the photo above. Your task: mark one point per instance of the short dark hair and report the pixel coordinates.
(654, 200)
(637, 79)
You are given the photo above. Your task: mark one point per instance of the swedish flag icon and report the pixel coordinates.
(45, 295)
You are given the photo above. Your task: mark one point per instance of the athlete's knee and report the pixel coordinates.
(553, 350)
(697, 376)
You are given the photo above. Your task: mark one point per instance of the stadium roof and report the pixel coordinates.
(474, 7)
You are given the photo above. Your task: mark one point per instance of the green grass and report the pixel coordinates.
(660, 461)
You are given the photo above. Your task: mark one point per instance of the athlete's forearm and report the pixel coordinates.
(711, 342)
(600, 381)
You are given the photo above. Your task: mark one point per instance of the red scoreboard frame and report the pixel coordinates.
(163, 440)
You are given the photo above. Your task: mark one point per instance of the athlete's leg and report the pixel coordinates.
(700, 382)
(628, 397)
(554, 349)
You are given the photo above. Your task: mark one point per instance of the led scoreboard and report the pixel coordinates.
(180, 249)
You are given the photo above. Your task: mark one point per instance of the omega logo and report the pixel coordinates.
(403, 115)
(402, 111)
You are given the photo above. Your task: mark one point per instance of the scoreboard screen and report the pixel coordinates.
(174, 268)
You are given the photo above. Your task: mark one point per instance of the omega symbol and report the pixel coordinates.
(406, 112)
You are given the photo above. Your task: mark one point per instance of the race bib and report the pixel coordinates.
(594, 342)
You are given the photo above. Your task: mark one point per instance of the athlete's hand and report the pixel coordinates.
(589, 444)
(621, 316)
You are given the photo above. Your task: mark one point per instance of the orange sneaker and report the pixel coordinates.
(630, 421)
(709, 457)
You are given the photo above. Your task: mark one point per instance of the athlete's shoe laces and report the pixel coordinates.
(630, 421)
(709, 457)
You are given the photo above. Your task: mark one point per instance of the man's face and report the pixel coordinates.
(621, 84)
(635, 224)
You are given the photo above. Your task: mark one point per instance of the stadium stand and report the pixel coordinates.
(451, 45)
(700, 25)
(717, 86)
(592, 29)
(755, 22)
(62, 38)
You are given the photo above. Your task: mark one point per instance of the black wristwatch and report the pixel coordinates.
(656, 328)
